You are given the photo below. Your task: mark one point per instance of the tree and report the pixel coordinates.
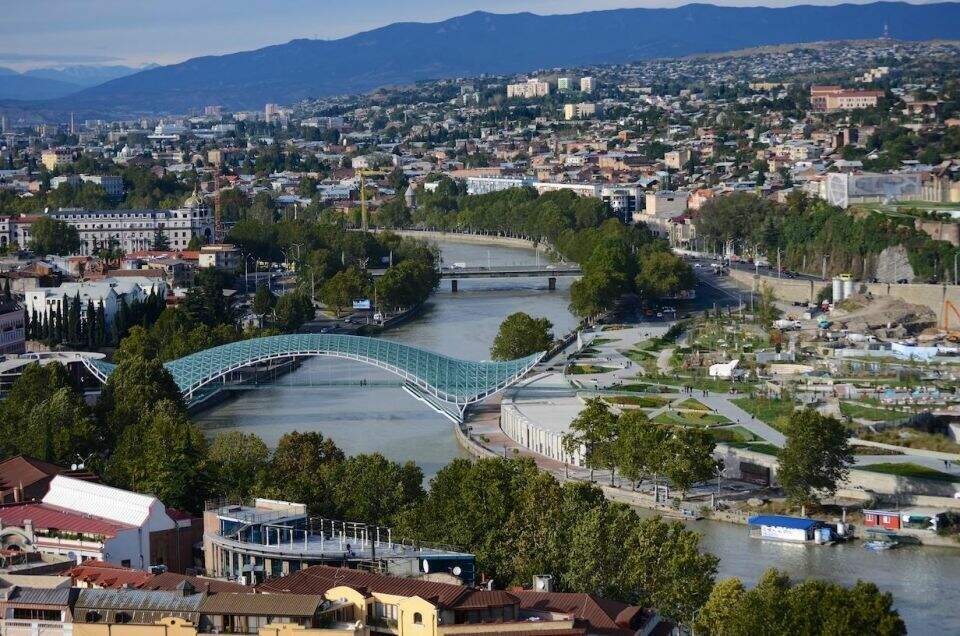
(662, 274)
(641, 446)
(778, 606)
(300, 470)
(132, 391)
(263, 301)
(667, 569)
(161, 242)
(343, 288)
(372, 489)
(594, 433)
(293, 310)
(164, 454)
(816, 457)
(521, 335)
(52, 236)
(689, 457)
(205, 301)
(238, 461)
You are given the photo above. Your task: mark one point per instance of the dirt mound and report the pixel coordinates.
(860, 312)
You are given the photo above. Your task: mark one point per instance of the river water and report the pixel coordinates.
(382, 418)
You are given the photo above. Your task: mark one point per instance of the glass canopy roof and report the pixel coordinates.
(450, 380)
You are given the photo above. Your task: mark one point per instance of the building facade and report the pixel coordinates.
(12, 328)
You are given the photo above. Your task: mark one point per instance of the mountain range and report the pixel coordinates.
(481, 42)
(53, 82)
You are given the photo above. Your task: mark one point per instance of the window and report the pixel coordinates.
(417, 618)
(125, 563)
(122, 617)
(92, 616)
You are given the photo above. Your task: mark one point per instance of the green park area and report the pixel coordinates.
(642, 401)
(911, 471)
(774, 412)
(691, 418)
(857, 411)
(587, 369)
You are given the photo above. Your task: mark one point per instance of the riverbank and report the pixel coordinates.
(473, 239)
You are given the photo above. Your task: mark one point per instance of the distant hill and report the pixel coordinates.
(480, 42)
(87, 75)
(54, 82)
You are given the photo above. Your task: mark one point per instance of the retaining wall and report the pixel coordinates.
(793, 290)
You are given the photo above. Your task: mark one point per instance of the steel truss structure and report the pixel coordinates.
(441, 381)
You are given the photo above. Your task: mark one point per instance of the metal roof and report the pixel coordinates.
(46, 516)
(781, 521)
(138, 600)
(113, 504)
(450, 380)
(263, 604)
(50, 597)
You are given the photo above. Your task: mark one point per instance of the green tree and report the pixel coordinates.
(160, 243)
(263, 301)
(778, 606)
(662, 274)
(239, 461)
(293, 310)
(164, 454)
(372, 489)
(689, 457)
(816, 457)
(343, 288)
(594, 433)
(641, 446)
(521, 335)
(52, 236)
(133, 390)
(300, 470)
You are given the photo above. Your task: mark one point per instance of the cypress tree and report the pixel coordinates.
(6, 289)
(101, 330)
(90, 325)
(75, 319)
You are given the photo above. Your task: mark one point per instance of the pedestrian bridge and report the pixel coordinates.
(444, 383)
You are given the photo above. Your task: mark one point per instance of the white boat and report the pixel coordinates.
(877, 546)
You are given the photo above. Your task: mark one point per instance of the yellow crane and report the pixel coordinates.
(363, 172)
(948, 308)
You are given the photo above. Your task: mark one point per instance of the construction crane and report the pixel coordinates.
(363, 172)
(217, 209)
(948, 308)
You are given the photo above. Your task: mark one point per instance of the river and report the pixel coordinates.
(377, 418)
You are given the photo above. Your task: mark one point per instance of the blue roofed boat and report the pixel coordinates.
(791, 529)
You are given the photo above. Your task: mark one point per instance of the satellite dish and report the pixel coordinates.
(426, 566)
(457, 571)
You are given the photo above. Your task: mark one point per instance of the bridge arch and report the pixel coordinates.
(434, 377)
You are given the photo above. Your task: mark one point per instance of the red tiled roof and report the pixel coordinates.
(320, 578)
(603, 615)
(573, 631)
(47, 516)
(24, 471)
(102, 574)
(169, 581)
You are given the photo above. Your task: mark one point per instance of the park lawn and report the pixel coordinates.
(643, 401)
(596, 342)
(911, 438)
(691, 419)
(757, 447)
(771, 412)
(702, 383)
(911, 471)
(644, 388)
(693, 405)
(587, 369)
(859, 411)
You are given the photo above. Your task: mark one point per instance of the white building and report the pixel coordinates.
(107, 292)
(131, 230)
(579, 111)
(86, 520)
(484, 185)
(587, 85)
(113, 185)
(528, 90)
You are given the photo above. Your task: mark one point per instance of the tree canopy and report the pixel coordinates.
(521, 335)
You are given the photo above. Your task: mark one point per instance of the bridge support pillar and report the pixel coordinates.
(552, 283)
(453, 285)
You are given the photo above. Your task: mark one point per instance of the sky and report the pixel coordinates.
(40, 33)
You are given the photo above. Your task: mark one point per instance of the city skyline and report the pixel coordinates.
(114, 32)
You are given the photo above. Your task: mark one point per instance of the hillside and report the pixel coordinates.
(490, 43)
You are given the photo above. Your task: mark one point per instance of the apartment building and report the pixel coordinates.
(12, 333)
(587, 85)
(112, 185)
(579, 111)
(530, 89)
(829, 99)
(676, 159)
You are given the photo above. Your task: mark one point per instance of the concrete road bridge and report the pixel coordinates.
(550, 272)
(445, 384)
